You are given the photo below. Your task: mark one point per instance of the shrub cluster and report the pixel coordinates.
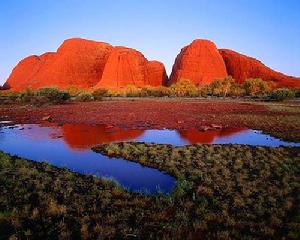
(42, 96)
(281, 94)
(84, 97)
(226, 87)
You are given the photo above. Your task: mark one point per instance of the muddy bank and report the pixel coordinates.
(279, 119)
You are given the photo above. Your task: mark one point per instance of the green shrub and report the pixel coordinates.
(99, 93)
(257, 87)
(281, 94)
(84, 97)
(26, 95)
(53, 95)
(222, 87)
(149, 91)
(297, 93)
(183, 88)
(8, 97)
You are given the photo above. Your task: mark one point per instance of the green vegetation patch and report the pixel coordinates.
(226, 191)
(223, 192)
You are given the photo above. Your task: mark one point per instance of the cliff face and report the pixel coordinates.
(84, 64)
(242, 67)
(199, 62)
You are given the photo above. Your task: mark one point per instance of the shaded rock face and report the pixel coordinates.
(83, 64)
(126, 66)
(242, 67)
(199, 62)
(77, 62)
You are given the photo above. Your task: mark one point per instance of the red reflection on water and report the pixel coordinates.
(207, 137)
(81, 136)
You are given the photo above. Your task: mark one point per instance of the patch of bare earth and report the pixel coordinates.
(280, 119)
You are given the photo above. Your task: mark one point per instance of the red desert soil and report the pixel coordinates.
(281, 120)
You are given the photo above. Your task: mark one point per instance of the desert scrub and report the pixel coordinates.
(221, 88)
(183, 88)
(99, 93)
(281, 94)
(223, 191)
(257, 87)
(53, 95)
(84, 97)
(236, 191)
(48, 202)
(42, 96)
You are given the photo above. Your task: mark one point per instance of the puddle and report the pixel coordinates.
(70, 146)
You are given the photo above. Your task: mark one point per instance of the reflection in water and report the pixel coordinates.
(49, 143)
(84, 136)
(207, 137)
(70, 146)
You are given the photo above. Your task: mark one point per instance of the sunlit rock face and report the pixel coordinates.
(199, 62)
(242, 67)
(83, 64)
(77, 63)
(126, 66)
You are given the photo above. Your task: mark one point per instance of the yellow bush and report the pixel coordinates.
(183, 88)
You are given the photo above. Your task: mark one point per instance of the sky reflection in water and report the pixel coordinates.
(70, 146)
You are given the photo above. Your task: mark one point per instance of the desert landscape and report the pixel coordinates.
(99, 142)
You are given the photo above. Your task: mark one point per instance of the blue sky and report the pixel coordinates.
(265, 29)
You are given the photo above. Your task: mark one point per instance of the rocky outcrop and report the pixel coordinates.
(126, 66)
(77, 62)
(84, 64)
(199, 62)
(242, 67)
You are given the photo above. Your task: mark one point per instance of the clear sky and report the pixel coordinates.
(265, 29)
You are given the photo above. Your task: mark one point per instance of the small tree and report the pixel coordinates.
(237, 90)
(222, 87)
(257, 87)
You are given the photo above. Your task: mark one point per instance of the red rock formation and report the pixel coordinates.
(242, 67)
(77, 62)
(83, 63)
(199, 62)
(156, 74)
(22, 75)
(126, 66)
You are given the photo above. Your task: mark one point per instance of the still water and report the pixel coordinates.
(70, 145)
